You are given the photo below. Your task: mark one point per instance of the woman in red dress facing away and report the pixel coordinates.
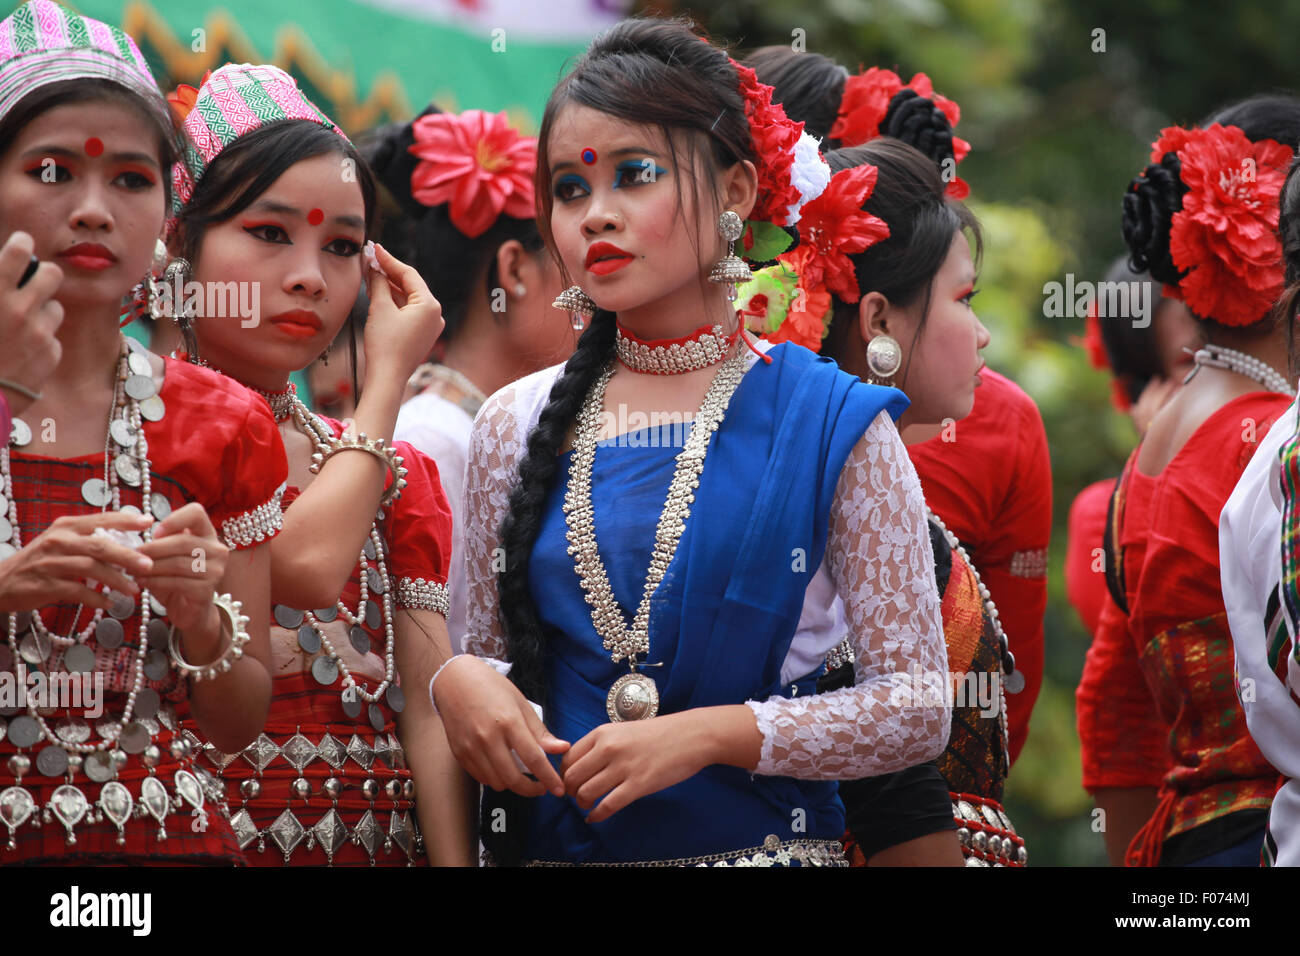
(136, 494)
(1166, 629)
(352, 767)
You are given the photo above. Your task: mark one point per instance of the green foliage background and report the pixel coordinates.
(1058, 129)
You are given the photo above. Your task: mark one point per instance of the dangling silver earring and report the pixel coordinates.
(884, 356)
(730, 269)
(578, 304)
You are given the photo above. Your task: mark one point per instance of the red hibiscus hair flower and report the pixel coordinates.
(865, 104)
(1225, 237)
(478, 163)
(805, 324)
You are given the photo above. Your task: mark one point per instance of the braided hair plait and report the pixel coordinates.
(537, 471)
(1149, 206)
(920, 124)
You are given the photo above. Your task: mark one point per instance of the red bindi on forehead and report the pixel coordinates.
(315, 217)
(94, 146)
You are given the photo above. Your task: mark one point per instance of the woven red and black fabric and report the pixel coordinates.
(416, 531)
(216, 444)
(1169, 663)
(989, 477)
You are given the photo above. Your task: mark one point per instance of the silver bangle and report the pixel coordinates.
(238, 638)
(393, 461)
(20, 389)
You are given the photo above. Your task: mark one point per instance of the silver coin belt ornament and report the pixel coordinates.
(330, 831)
(68, 747)
(634, 696)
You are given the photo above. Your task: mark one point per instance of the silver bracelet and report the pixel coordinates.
(238, 638)
(20, 389)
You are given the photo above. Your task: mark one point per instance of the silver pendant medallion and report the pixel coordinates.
(20, 433)
(633, 697)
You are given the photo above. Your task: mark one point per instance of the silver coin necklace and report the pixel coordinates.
(635, 696)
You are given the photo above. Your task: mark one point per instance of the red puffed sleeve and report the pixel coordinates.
(419, 535)
(1123, 740)
(219, 441)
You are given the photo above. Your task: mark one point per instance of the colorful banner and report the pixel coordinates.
(367, 62)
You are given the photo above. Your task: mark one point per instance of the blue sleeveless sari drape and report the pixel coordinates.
(723, 618)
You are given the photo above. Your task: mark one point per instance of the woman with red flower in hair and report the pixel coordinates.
(1202, 219)
(1147, 362)
(670, 603)
(993, 485)
(458, 205)
(882, 282)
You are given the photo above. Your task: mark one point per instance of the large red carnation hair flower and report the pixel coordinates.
(865, 104)
(478, 163)
(1224, 239)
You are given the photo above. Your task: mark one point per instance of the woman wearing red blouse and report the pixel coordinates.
(1166, 629)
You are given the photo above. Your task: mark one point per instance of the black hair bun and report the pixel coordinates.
(1149, 207)
(920, 124)
(387, 150)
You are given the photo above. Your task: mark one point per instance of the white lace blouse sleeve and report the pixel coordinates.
(883, 568)
(494, 450)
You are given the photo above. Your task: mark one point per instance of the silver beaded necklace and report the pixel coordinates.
(1218, 356)
(634, 696)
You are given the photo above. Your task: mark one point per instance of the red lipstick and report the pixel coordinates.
(299, 323)
(88, 255)
(605, 257)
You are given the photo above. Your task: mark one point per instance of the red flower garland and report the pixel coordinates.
(1225, 236)
(775, 136)
(866, 101)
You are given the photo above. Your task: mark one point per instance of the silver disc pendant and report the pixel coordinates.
(138, 364)
(351, 703)
(52, 761)
(287, 617)
(374, 581)
(134, 737)
(79, 659)
(156, 665)
(95, 491)
(147, 703)
(376, 718)
(120, 429)
(396, 699)
(159, 506)
(140, 387)
(109, 634)
(33, 648)
(324, 670)
(24, 731)
(20, 433)
(120, 606)
(128, 470)
(1014, 682)
(367, 547)
(7, 550)
(309, 639)
(633, 697)
(374, 616)
(99, 767)
(152, 408)
(326, 614)
(6, 529)
(359, 638)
